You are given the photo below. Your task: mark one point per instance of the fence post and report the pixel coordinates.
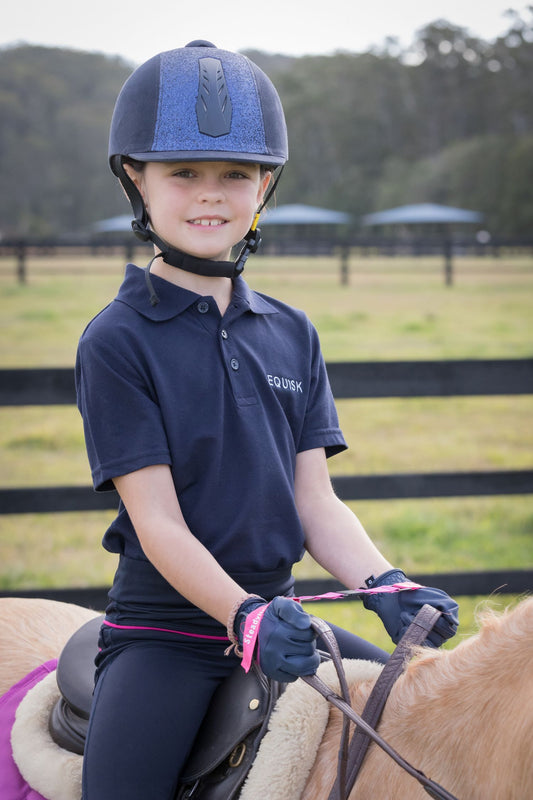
(448, 254)
(20, 252)
(345, 269)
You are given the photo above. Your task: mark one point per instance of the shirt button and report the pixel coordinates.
(203, 307)
(234, 364)
(224, 333)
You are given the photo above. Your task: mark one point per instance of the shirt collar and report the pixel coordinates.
(174, 300)
(257, 303)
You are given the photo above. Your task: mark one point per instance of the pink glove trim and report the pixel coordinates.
(249, 639)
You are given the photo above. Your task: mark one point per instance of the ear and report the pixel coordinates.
(263, 186)
(136, 176)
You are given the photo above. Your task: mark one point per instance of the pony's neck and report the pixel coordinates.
(464, 714)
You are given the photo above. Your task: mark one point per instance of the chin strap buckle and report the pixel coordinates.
(140, 230)
(252, 242)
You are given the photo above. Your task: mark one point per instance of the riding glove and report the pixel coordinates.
(285, 642)
(398, 609)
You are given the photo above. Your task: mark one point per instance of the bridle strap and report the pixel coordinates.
(340, 789)
(328, 637)
(416, 633)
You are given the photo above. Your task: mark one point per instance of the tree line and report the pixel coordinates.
(448, 120)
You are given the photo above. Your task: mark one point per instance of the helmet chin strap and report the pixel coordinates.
(177, 258)
(200, 266)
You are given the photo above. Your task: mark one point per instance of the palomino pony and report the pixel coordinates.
(463, 716)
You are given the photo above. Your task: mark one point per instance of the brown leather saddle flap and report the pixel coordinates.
(239, 706)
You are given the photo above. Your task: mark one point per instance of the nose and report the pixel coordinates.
(210, 190)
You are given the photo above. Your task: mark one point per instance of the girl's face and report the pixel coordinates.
(201, 207)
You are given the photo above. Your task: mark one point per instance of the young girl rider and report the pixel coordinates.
(207, 406)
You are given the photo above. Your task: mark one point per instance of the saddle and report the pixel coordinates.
(227, 741)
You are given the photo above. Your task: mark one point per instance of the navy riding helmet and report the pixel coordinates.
(196, 103)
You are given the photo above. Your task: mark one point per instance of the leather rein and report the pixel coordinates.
(351, 754)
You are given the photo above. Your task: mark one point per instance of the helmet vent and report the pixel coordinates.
(213, 106)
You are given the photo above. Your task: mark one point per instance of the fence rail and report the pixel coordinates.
(55, 386)
(282, 241)
(456, 584)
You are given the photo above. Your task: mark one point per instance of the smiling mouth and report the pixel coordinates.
(208, 223)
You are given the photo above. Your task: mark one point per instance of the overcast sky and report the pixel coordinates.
(137, 29)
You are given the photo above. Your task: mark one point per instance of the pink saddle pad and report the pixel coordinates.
(12, 784)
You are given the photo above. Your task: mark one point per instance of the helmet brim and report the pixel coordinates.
(269, 160)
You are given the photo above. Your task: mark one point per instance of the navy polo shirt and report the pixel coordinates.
(227, 402)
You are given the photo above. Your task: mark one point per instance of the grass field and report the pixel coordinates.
(392, 309)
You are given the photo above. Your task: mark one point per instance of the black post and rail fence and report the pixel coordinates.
(55, 386)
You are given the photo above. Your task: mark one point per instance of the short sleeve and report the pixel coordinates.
(122, 421)
(321, 424)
